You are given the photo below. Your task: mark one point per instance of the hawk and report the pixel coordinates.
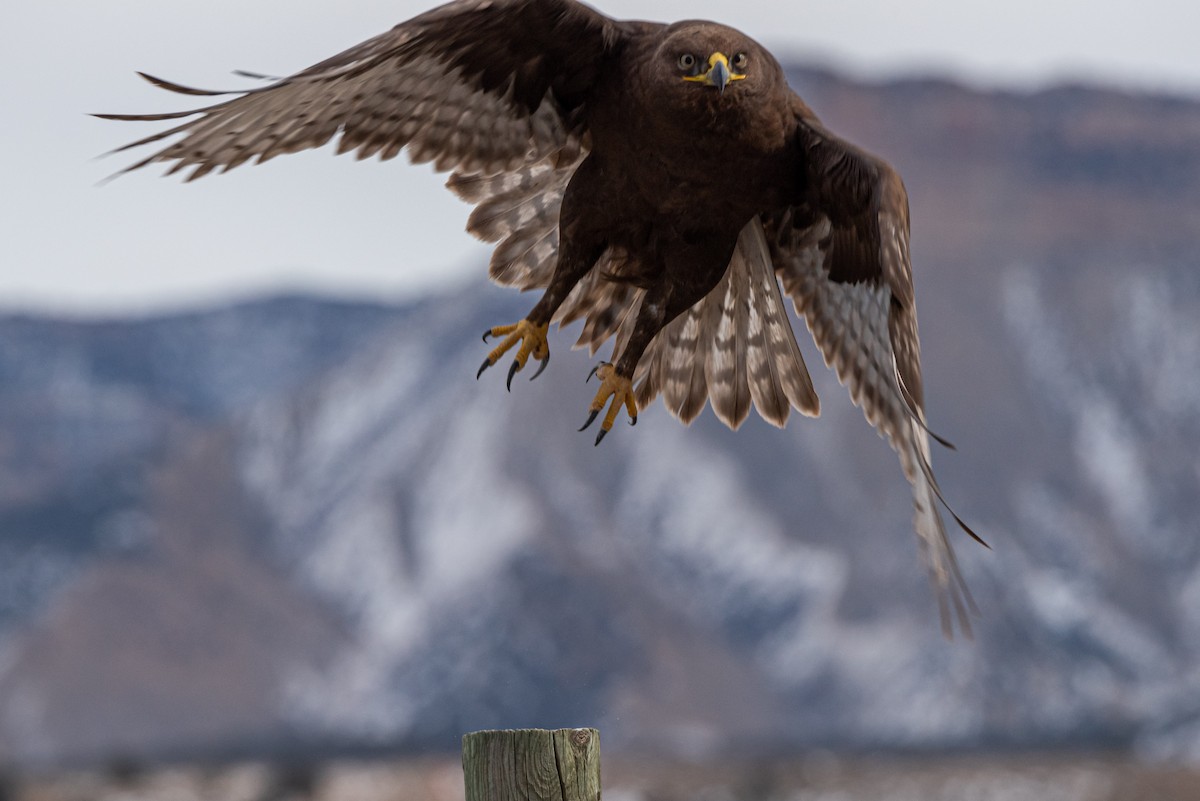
(661, 183)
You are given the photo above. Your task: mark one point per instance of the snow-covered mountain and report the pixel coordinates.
(299, 522)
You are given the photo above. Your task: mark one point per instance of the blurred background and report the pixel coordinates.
(263, 536)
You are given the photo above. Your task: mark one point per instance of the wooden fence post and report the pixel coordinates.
(532, 765)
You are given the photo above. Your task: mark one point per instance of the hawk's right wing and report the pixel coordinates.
(475, 85)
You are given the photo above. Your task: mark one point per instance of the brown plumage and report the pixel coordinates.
(658, 182)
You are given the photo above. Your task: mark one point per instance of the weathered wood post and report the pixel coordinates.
(532, 765)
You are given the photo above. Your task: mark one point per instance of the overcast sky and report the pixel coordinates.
(311, 221)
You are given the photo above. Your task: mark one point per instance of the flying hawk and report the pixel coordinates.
(658, 182)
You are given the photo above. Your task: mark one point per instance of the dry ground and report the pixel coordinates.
(819, 777)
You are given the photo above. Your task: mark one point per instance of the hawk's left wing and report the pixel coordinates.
(842, 256)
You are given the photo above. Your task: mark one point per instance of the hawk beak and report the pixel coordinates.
(719, 74)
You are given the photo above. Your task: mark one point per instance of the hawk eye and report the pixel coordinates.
(687, 61)
(739, 62)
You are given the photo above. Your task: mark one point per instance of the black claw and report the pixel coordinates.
(487, 334)
(486, 364)
(591, 419)
(511, 372)
(592, 373)
(633, 421)
(545, 361)
(600, 436)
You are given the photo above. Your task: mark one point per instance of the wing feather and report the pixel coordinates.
(843, 258)
(476, 85)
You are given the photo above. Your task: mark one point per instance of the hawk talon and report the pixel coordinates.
(532, 339)
(615, 391)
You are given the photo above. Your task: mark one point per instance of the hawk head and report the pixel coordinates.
(708, 77)
(705, 54)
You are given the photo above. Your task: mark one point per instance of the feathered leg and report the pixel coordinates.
(690, 272)
(581, 244)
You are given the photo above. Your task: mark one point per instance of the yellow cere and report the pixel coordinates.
(713, 60)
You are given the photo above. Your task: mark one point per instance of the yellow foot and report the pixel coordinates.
(533, 343)
(614, 386)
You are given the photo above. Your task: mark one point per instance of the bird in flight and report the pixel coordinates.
(661, 183)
